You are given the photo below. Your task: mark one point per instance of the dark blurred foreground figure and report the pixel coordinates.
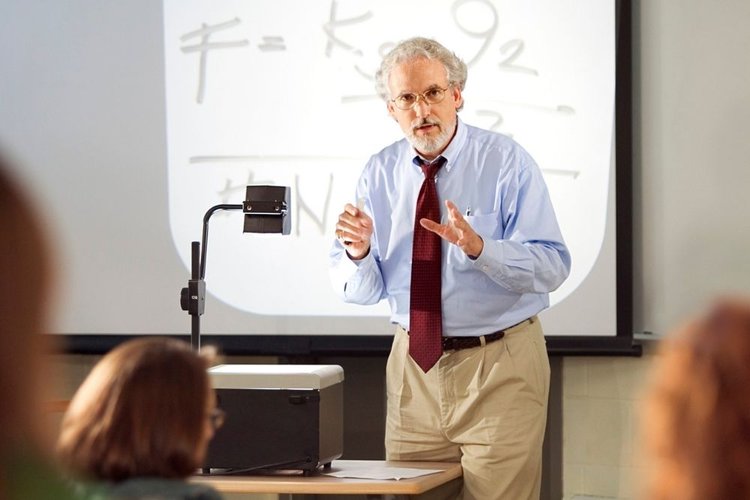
(26, 471)
(140, 423)
(696, 419)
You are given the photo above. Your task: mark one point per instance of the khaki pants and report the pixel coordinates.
(485, 407)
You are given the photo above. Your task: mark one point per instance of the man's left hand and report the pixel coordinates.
(456, 231)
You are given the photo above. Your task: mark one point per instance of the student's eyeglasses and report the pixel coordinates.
(216, 418)
(410, 99)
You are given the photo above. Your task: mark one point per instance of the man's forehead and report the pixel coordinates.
(418, 74)
(408, 90)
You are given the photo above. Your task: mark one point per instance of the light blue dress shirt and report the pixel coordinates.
(501, 192)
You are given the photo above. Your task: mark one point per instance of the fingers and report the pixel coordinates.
(431, 225)
(454, 230)
(467, 239)
(354, 221)
(441, 230)
(354, 229)
(352, 210)
(455, 217)
(450, 205)
(445, 231)
(457, 231)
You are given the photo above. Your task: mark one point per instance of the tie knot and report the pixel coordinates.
(430, 169)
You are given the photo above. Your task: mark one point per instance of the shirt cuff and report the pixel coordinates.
(489, 260)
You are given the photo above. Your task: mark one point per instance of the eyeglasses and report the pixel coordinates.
(410, 99)
(216, 418)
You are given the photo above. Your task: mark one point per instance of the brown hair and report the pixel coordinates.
(25, 284)
(140, 412)
(697, 414)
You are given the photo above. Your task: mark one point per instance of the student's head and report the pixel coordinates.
(146, 409)
(421, 82)
(697, 414)
(25, 283)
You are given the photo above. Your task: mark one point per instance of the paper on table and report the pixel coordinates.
(365, 472)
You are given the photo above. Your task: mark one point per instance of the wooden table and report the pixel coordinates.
(294, 483)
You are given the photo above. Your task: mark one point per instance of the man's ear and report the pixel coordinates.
(457, 97)
(391, 110)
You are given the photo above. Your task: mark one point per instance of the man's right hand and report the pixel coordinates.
(353, 230)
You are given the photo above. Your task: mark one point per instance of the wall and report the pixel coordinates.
(601, 448)
(692, 118)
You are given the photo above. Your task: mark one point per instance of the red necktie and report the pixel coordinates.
(425, 311)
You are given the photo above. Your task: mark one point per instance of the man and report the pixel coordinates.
(468, 373)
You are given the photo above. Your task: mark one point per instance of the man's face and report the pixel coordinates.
(428, 127)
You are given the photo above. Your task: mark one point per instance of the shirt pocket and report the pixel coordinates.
(485, 225)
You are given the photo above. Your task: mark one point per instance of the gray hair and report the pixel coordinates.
(420, 48)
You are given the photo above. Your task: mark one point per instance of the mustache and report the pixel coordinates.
(421, 122)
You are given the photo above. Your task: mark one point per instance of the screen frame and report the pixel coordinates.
(622, 343)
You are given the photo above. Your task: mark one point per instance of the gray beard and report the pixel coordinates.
(429, 145)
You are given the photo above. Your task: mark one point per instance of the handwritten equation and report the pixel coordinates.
(283, 92)
(508, 58)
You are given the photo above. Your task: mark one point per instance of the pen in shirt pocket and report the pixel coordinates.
(468, 211)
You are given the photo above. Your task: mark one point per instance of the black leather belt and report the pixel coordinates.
(458, 343)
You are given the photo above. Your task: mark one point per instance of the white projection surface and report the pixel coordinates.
(282, 92)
